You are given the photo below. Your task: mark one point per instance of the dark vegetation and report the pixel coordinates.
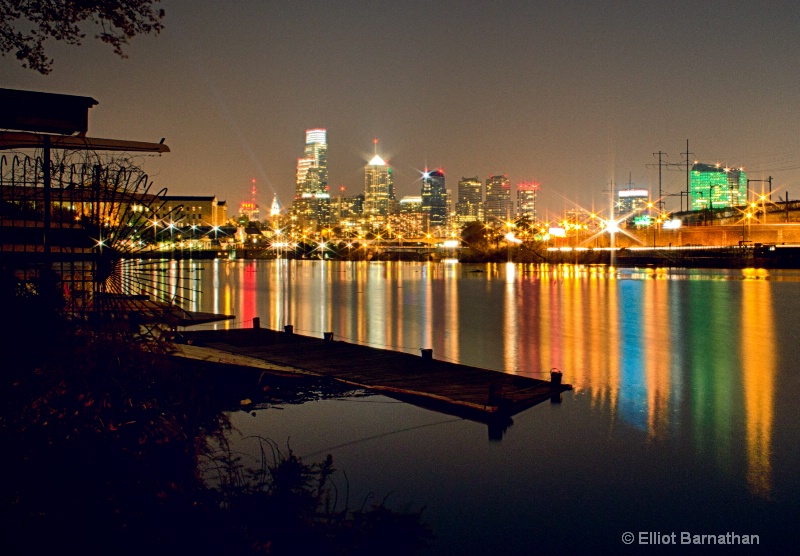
(113, 447)
(26, 26)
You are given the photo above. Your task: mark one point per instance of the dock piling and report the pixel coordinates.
(256, 322)
(426, 353)
(288, 329)
(328, 336)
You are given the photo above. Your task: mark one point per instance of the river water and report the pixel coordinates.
(683, 419)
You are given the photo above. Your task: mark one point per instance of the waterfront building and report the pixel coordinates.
(499, 205)
(312, 200)
(378, 188)
(526, 199)
(469, 206)
(434, 197)
(715, 186)
(183, 211)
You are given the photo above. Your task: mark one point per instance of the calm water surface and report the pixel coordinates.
(684, 416)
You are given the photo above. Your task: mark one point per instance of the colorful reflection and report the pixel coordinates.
(669, 353)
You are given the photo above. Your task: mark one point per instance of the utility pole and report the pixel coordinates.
(687, 153)
(660, 202)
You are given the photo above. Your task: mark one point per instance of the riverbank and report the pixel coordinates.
(775, 256)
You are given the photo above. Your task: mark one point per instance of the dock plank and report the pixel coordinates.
(411, 376)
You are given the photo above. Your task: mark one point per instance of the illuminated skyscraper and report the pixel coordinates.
(631, 203)
(469, 207)
(526, 199)
(312, 168)
(378, 187)
(434, 197)
(312, 200)
(499, 204)
(713, 186)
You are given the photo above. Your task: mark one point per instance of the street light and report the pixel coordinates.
(763, 197)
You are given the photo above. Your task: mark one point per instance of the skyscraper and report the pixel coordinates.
(312, 169)
(631, 204)
(312, 200)
(378, 187)
(526, 199)
(434, 197)
(499, 204)
(469, 207)
(713, 186)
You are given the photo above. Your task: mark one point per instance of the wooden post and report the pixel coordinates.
(427, 353)
(288, 329)
(328, 336)
(256, 322)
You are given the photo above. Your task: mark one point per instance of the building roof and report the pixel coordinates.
(195, 198)
(701, 167)
(44, 112)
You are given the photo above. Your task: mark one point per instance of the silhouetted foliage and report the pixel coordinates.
(474, 236)
(113, 447)
(25, 25)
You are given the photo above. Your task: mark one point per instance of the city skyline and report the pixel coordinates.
(576, 97)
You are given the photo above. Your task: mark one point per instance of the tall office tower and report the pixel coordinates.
(378, 187)
(526, 199)
(712, 186)
(434, 197)
(312, 200)
(631, 204)
(469, 207)
(499, 204)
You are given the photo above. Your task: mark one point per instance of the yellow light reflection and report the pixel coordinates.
(758, 375)
(657, 351)
(451, 329)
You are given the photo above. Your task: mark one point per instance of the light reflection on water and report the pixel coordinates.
(687, 360)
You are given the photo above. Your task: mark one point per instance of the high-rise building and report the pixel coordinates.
(713, 186)
(499, 205)
(378, 187)
(312, 168)
(434, 197)
(631, 203)
(526, 199)
(469, 207)
(312, 200)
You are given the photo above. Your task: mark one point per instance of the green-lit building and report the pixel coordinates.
(715, 186)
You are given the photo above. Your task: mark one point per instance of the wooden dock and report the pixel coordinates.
(472, 392)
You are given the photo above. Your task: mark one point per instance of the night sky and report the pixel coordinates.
(570, 94)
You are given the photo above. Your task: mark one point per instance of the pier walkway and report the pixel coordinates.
(473, 392)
